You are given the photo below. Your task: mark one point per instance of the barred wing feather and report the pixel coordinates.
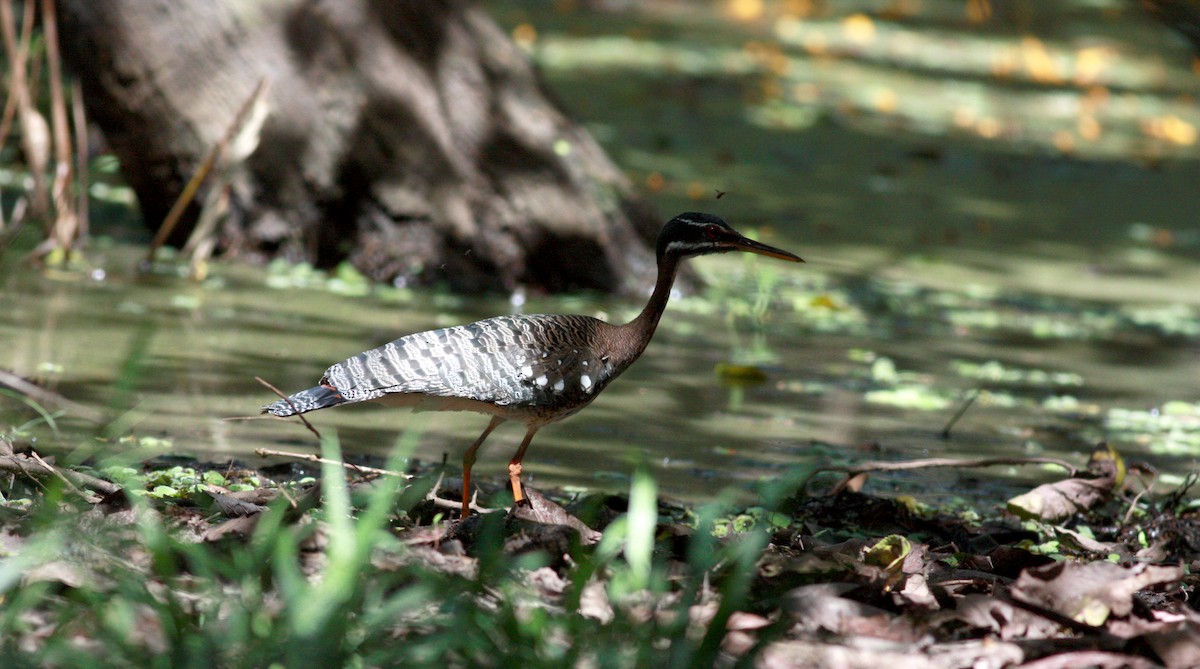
(529, 360)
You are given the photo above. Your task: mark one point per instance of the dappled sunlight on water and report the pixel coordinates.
(769, 369)
(941, 125)
(988, 203)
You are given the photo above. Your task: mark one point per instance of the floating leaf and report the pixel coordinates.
(740, 375)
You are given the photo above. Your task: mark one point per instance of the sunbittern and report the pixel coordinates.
(534, 369)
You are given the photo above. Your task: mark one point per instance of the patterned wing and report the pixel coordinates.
(565, 370)
(535, 361)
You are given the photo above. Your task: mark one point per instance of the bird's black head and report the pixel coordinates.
(697, 234)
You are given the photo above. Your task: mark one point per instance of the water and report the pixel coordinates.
(1062, 283)
(167, 359)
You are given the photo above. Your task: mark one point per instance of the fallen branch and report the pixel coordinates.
(44, 396)
(34, 468)
(266, 453)
(58, 474)
(185, 198)
(930, 463)
(442, 502)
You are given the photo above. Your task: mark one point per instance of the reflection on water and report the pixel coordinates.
(832, 369)
(1015, 230)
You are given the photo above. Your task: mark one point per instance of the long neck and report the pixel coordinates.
(641, 329)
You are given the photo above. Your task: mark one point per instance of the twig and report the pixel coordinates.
(19, 466)
(22, 464)
(189, 191)
(266, 452)
(931, 463)
(291, 500)
(48, 397)
(959, 414)
(1172, 500)
(79, 120)
(16, 219)
(474, 504)
(928, 463)
(35, 137)
(456, 504)
(366, 473)
(1134, 502)
(442, 502)
(968, 576)
(58, 473)
(202, 242)
(241, 140)
(287, 399)
(10, 106)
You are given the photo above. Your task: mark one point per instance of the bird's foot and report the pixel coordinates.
(514, 477)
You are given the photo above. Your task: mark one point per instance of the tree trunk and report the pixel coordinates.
(408, 136)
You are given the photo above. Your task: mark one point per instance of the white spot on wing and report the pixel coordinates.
(542, 380)
(527, 371)
(586, 382)
(559, 385)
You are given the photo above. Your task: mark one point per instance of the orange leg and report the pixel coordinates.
(469, 461)
(514, 466)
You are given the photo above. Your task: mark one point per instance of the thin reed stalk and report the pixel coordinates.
(82, 185)
(65, 224)
(35, 133)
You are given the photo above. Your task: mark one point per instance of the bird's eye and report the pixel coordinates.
(711, 232)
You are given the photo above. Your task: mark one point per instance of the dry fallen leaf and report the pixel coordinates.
(856, 653)
(241, 527)
(233, 507)
(1179, 647)
(916, 592)
(543, 511)
(1053, 502)
(58, 571)
(1081, 541)
(1090, 592)
(1096, 659)
(1007, 621)
(1174, 637)
(821, 607)
(594, 603)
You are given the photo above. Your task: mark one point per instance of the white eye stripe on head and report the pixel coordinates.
(680, 246)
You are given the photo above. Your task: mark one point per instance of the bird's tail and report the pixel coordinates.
(317, 397)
